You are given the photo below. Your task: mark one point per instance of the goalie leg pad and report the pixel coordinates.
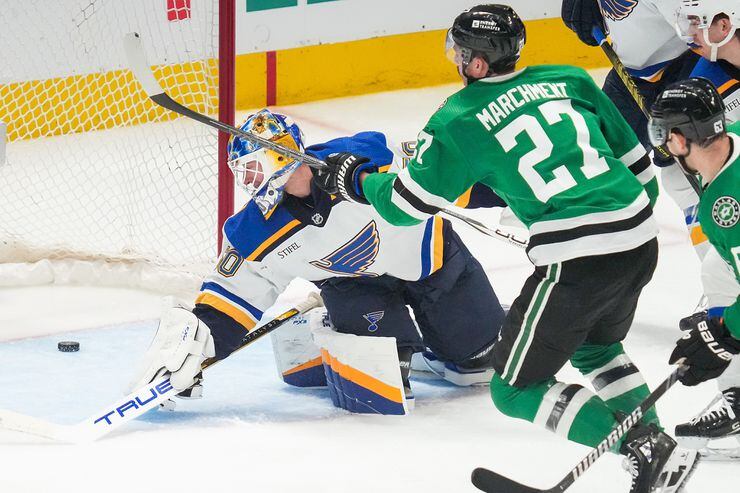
(363, 373)
(297, 358)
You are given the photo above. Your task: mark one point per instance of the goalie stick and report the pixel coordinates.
(143, 73)
(492, 482)
(634, 91)
(138, 402)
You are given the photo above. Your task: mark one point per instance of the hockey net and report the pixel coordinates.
(90, 169)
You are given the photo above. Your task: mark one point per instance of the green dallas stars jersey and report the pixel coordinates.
(549, 142)
(719, 215)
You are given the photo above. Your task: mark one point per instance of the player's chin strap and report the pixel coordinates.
(717, 46)
(138, 402)
(143, 73)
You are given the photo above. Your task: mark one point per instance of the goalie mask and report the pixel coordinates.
(695, 17)
(263, 173)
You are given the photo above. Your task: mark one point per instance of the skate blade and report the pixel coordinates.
(718, 454)
(718, 449)
(473, 379)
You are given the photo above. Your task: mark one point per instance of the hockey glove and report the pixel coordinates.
(342, 176)
(180, 346)
(581, 16)
(708, 349)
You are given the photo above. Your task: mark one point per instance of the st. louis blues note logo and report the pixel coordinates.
(617, 10)
(373, 318)
(354, 257)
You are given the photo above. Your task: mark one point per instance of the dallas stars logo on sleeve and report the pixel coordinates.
(726, 212)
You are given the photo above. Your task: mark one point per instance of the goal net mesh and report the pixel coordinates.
(90, 168)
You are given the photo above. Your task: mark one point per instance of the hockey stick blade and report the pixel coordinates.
(137, 403)
(492, 482)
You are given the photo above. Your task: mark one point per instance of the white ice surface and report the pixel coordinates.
(252, 433)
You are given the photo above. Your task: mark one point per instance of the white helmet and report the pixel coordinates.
(697, 15)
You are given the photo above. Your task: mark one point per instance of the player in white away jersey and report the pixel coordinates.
(368, 272)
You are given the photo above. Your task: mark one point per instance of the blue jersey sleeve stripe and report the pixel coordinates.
(426, 249)
(216, 288)
(647, 72)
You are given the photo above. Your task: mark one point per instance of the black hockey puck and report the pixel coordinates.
(68, 346)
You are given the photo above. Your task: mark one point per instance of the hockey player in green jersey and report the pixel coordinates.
(689, 118)
(552, 145)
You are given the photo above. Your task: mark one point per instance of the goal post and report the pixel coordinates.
(93, 169)
(226, 108)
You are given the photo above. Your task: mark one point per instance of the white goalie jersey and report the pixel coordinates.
(260, 257)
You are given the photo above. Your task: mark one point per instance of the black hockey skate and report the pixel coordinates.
(655, 461)
(719, 420)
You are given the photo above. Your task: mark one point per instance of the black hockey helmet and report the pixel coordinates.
(692, 107)
(494, 32)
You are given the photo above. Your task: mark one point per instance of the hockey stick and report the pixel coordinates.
(493, 233)
(634, 91)
(492, 482)
(138, 402)
(143, 73)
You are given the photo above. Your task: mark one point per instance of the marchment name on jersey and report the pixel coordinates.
(516, 97)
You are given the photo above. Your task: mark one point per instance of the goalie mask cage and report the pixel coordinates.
(92, 169)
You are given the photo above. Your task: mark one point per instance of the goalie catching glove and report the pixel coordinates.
(342, 176)
(708, 349)
(180, 346)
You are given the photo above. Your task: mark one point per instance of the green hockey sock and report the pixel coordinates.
(571, 411)
(617, 381)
